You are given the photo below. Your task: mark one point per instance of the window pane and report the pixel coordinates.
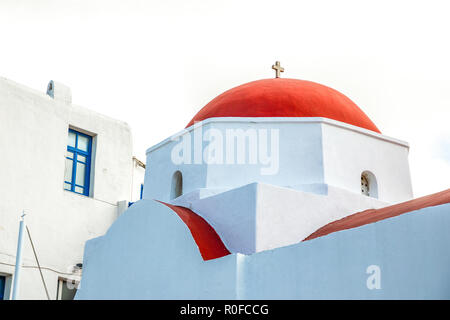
(71, 141)
(81, 158)
(79, 190)
(83, 143)
(68, 171)
(81, 172)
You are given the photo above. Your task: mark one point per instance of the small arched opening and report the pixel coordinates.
(369, 186)
(177, 185)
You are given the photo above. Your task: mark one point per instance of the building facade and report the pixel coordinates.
(71, 171)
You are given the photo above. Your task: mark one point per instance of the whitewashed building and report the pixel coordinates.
(276, 189)
(72, 171)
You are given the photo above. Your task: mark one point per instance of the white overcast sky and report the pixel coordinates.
(154, 64)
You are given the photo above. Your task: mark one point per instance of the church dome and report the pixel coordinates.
(282, 97)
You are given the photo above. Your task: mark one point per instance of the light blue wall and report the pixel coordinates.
(412, 251)
(149, 253)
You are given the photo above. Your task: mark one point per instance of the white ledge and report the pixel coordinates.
(332, 122)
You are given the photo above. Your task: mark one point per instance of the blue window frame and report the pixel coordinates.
(2, 287)
(142, 191)
(78, 163)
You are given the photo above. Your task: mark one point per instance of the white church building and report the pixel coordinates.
(71, 171)
(278, 188)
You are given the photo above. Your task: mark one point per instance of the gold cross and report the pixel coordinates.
(277, 69)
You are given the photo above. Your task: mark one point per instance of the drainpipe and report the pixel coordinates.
(18, 268)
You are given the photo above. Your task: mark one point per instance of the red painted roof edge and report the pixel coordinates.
(374, 215)
(207, 239)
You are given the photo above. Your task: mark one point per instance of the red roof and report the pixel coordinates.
(208, 241)
(374, 215)
(281, 97)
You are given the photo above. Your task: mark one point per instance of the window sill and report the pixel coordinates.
(88, 197)
(78, 194)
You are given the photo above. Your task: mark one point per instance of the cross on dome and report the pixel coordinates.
(278, 68)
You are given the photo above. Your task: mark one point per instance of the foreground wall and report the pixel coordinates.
(409, 253)
(149, 253)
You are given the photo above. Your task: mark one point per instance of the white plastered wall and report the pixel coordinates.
(33, 142)
(313, 153)
(349, 151)
(259, 217)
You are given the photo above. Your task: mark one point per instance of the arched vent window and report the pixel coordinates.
(369, 186)
(177, 185)
(364, 185)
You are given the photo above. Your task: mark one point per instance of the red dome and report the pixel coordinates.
(281, 97)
